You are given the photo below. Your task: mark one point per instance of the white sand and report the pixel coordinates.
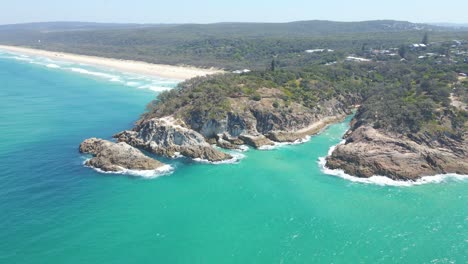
(139, 67)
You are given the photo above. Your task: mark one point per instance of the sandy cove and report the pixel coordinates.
(138, 67)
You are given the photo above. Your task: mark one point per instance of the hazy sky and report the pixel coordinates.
(207, 11)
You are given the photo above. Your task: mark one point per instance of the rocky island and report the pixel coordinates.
(116, 157)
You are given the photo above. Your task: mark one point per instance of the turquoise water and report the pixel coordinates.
(272, 207)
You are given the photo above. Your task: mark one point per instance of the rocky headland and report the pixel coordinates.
(191, 131)
(384, 142)
(198, 124)
(368, 152)
(397, 133)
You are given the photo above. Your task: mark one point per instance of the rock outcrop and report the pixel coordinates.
(248, 122)
(169, 137)
(116, 157)
(369, 152)
(259, 119)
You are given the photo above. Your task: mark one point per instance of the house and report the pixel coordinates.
(315, 50)
(319, 50)
(418, 45)
(457, 42)
(242, 71)
(351, 58)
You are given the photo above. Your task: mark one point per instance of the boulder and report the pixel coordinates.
(256, 141)
(116, 157)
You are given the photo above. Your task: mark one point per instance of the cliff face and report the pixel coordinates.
(256, 118)
(193, 127)
(169, 137)
(189, 130)
(369, 152)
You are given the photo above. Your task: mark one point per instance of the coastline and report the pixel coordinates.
(380, 180)
(130, 66)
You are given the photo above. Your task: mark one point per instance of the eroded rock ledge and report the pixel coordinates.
(116, 157)
(169, 137)
(369, 152)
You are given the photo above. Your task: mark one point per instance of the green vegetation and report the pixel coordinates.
(400, 97)
(230, 46)
(402, 86)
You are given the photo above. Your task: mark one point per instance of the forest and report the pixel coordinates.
(229, 46)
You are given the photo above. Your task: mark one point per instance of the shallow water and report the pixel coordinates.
(271, 207)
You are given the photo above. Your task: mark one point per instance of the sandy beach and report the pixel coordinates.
(139, 67)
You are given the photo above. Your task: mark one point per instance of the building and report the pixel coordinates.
(351, 58)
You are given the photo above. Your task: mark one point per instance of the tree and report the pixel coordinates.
(273, 65)
(425, 39)
(402, 51)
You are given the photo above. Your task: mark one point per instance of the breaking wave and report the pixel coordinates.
(236, 158)
(128, 79)
(148, 174)
(281, 144)
(385, 181)
(54, 66)
(93, 73)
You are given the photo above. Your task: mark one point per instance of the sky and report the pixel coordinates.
(210, 11)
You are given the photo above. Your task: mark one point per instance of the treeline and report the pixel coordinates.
(228, 45)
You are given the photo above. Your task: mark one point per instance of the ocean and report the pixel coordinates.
(273, 206)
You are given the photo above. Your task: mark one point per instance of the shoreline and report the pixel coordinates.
(380, 180)
(129, 66)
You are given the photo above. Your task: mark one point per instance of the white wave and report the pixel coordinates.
(243, 148)
(93, 73)
(155, 88)
(116, 80)
(132, 84)
(148, 174)
(177, 155)
(52, 65)
(281, 144)
(385, 181)
(23, 58)
(156, 84)
(236, 158)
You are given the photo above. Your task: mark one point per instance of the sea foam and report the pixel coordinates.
(385, 181)
(148, 174)
(155, 88)
(93, 73)
(281, 144)
(129, 79)
(52, 65)
(236, 158)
